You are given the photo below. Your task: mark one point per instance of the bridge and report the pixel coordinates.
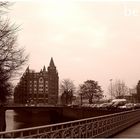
(16, 106)
(73, 113)
(30, 108)
(95, 127)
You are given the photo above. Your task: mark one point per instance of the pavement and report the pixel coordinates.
(132, 132)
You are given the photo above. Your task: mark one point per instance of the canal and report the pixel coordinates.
(24, 119)
(17, 120)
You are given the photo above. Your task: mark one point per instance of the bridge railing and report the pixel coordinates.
(96, 127)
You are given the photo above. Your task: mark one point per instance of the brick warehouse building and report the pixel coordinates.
(38, 87)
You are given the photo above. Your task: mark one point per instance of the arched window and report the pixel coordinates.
(41, 80)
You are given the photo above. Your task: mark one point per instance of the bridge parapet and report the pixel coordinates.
(96, 127)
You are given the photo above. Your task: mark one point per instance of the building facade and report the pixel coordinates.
(138, 92)
(38, 87)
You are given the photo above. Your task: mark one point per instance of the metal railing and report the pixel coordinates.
(96, 127)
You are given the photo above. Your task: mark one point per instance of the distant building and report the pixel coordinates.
(138, 92)
(38, 87)
(131, 96)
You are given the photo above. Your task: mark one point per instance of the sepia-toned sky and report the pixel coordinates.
(98, 40)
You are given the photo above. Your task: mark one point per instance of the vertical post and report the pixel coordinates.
(81, 99)
(111, 87)
(2, 119)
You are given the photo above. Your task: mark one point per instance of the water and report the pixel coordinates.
(20, 120)
(11, 124)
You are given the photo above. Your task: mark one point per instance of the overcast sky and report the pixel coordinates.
(87, 39)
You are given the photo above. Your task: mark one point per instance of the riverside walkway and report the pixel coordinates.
(132, 132)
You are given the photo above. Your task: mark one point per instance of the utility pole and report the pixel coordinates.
(111, 87)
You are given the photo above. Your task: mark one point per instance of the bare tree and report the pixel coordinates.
(90, 90)
(118, 89)
(12, 58)
(67, 89)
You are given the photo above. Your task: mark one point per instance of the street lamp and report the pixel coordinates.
(111, 87)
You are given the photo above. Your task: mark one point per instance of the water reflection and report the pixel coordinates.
(19, 120)
(10, 124)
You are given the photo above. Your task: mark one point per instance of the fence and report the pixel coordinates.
(96, 127)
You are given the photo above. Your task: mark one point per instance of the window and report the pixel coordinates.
(40, 80)
(40, 85)
(41, 89)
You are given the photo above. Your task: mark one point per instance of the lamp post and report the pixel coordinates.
(111, 87)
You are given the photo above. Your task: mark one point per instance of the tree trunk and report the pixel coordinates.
(2, 119)
(81, 99)
(90, 101)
